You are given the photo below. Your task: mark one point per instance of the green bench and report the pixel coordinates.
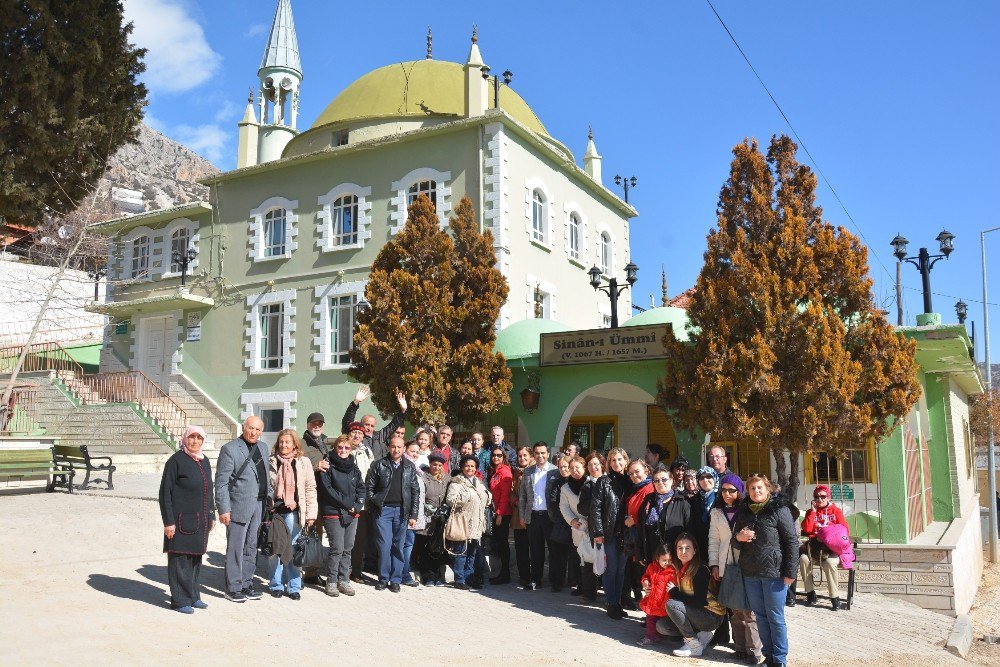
(34, 464)
(78, 458)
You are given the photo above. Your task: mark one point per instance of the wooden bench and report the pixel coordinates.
(33, 464)
(78, 458)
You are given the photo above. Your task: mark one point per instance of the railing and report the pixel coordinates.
(47, 356)
(135, 387)
(20, 414)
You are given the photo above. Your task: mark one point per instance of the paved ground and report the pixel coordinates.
(89, 567)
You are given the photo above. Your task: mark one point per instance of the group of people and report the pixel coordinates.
(653, 537)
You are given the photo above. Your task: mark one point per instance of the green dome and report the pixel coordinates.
(418, 88)
(676, 317)
(520, 340)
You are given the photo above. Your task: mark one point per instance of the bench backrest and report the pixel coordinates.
(69, 452)
(20, 457)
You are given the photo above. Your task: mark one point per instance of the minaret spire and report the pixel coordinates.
(280, 77)
(476, 91)
(663, 276)
(591, 158)
(430, 42)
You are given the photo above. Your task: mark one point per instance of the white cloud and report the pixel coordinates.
(256, 30)
(179, 56)
(228, 112)
(207, 140)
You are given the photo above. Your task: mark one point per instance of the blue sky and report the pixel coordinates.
(897, 102)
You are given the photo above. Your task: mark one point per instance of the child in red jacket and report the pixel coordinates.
(654, 586)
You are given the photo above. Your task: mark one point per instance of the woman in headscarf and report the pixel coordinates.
(341, 497)
(701, 506)
(690, 486)
(187, 507)
(295, 504)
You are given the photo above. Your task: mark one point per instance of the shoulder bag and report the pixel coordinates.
(308, 549)
(732, 591)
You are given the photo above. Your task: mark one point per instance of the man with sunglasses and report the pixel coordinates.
(821, 514)
(719, 460)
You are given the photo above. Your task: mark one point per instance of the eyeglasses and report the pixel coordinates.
(496, 456)
(717, 456)
(821, 497)
(660, 480)
(726, 489)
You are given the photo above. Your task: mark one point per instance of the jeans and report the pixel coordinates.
(338, 563)
(465, 563)
(767, 600)
(241, 552)
(407, 550)
(283, 574)
(691, 620)
(390, 535)
(614, 575)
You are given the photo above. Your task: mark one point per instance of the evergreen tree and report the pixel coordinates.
(70, 99)
(429, 332)
(786, 345)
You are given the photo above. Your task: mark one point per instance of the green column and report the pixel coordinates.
(936, 390)
(892, 487)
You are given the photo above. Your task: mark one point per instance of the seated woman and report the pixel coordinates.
(468, 497)
(821, 514)
(693, 611)
(341, 497)
(294, 484)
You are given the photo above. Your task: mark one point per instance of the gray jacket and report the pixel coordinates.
(239, 495)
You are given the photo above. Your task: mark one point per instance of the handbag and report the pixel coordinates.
(732, 591)
(600, 560)
(264, 532)
(308, 549)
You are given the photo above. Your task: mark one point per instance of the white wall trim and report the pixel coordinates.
(252, 331)
(193, 238)
(126, 269)
(324, 241)
(548, 288)
(496, 202)
(321, 321)
(397, 205)
(255, 228)
(570, 208)
(530, 185)
(252, 402)
(600, 228)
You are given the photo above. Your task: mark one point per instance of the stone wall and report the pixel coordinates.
(921, 575)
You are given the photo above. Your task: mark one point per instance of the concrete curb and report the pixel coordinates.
(960, 639)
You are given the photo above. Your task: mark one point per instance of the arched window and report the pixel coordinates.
(274, 232)
(606, 254)
(344, 220)
(575, 236)
(538, 216)
(428, 188)
(140, 257)
(179, 242)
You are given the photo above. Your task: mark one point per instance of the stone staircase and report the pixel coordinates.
(219, 426)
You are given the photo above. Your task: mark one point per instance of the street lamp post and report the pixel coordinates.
(183, 258)
(962, 310)
(991, 462)
(612, 289)
(627, 183)
(96, 274)
(924, 261)
(508, 76)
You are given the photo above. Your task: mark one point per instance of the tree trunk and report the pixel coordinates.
(780, 469)
(792, 489)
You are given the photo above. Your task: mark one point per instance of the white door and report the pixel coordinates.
(155, 349)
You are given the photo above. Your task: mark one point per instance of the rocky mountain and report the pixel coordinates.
(162, 170)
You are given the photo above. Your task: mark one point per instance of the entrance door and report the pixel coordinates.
(155, 349)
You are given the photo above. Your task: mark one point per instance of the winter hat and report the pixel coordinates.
(734, 480)
(437, 456)
(679, 462)
(356, 426)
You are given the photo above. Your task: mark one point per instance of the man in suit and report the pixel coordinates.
(533, 504)
(242, 486)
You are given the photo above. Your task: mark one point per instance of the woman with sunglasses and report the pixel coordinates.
(501, 485)
(823, 513)
(722, 556)
(765, 533)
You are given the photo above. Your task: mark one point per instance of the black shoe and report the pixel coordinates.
(381, 586)
(277, 592)
(460, 586)
(314, 580)
(530, 586)
(616, 612)
(721, 636)
(236, 597)
(393, 588)
(412, 583)
(811, 599)
(790, 600)
(252, 593)
(576, 592)
(628, 605)
(294, 596)
(497, 581)
(836, 604)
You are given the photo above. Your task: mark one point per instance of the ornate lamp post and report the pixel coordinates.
(627, 183)
(508, 76)
(924, 261)
(612, 289)
(962, 310)
(183, 258)
(96, 273)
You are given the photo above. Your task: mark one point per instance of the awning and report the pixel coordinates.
(179, 299)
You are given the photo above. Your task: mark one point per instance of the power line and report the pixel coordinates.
(799, 139)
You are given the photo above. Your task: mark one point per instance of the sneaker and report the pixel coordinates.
(252, 593)
(345, 588)
(331, 589)
(236, 596)
(692, 648)
(187, 609)
(198, 604)
(412, 583)
(705, 638)
(835, 604)
(439, 583)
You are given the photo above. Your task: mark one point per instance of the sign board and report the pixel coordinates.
(841, 492)
(193, 334)
(194, 319)
(121, 328)
(596, 346)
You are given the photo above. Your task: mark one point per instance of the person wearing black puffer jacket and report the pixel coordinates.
(663, 516)
(607, 526)
(341, 496)
(768, 540)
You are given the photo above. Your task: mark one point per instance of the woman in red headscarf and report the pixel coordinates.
(821, 514)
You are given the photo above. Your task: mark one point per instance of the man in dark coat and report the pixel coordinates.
(394, 501)
(376, 440)
(316, 450)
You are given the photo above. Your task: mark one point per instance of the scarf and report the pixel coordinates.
(341, 464)
(200, 454)
(730, 514)
(659, 500)
(757, 507)
(576, 485)
(284, 483)
(707, 496)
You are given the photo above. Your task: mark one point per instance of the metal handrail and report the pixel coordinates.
(47, 356)
(135, 387)
(21, 413)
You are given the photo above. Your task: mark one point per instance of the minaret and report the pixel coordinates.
(476, 90)
(280, 76)
(591, 160)
(246, 150)
(663, 276)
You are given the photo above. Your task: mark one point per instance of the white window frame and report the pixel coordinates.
(571, 209)
(548, 232)
(324, 218)
(549, 297)
(252, 403)
(255, 253)
(128, 273)
(398, 207)
(252, 331)
(168, 245)
(324, 294)
(609, 270)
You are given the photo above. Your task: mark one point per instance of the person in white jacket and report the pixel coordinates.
(569, 507)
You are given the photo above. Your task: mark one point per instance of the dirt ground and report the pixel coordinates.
(83, 581)
(986, 617)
